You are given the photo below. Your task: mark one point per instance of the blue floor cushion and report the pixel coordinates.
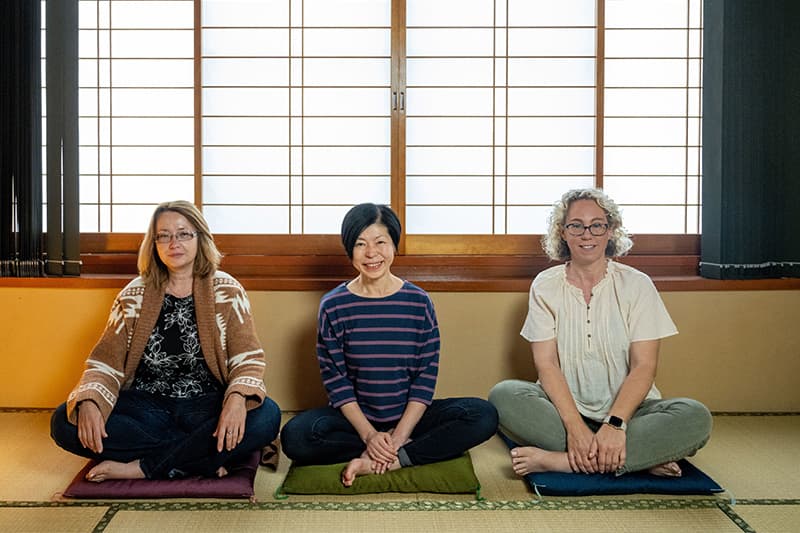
(693, 481)
(455, 476)
(237, 484)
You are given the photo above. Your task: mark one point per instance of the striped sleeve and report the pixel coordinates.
(423, 383)
(331, 359)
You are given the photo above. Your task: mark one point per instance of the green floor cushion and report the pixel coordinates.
(455, 476)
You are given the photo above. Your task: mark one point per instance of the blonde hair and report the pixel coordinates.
(619, 241)
(153, 270)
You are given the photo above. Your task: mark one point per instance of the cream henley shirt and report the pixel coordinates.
(594, 340)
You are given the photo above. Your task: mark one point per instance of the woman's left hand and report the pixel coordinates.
(609, 445)
(230, 428)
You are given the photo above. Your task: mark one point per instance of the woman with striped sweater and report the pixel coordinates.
(378, 353)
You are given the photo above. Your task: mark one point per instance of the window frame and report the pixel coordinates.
(485, 262)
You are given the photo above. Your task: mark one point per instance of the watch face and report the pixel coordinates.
(615, 421)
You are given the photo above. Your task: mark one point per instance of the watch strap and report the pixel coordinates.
(615, 422)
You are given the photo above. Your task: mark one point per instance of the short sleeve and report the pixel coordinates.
(540, 324)
(648, 317)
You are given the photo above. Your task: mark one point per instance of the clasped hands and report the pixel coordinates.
(599, 452)
(382, 450)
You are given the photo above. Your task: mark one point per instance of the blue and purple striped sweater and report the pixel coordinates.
(379, 352)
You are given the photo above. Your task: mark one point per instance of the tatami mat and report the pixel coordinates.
(55, 519)
(753, 457)
(771, 518)
(677, 521)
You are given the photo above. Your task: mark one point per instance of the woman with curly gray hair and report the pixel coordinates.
(595, 326)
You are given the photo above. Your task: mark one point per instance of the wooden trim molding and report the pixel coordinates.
(440, 263)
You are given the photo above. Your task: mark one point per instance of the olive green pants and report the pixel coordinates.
(658, 432)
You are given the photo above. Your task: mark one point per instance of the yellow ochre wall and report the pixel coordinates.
(737, 350)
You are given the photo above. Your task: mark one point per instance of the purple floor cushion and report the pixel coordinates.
(693, 481)
(237, 484)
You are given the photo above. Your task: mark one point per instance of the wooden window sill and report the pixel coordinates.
(433, 273)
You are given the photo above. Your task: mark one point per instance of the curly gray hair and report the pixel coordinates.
(556, 248)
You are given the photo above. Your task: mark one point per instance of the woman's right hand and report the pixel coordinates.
(91, 426)
(582, 456)
(380, 447)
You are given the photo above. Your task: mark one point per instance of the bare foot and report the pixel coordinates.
(360, 466)
(115, 470)
(529, 459)
(222, 471)
(670, 469)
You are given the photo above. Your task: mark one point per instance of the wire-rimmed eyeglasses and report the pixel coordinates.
(181, 236)
(597, 229)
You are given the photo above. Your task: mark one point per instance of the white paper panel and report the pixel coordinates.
(153, 160)
(246, 72)
(561, 131)
(645, 131)
(247, 13)
(246, 101)
(246, 190)
(636, 161)
(153, 131)
(561, 13)
(546, 101)
(346, 190)
(649, 14)
(449, 12)
(550, 161)
(449, 220)
(247, 42)
(151, 189)
(449, 102)
(247, 219)
(449, 131)
(551, 72)
(646, 43)
(427, 190)
(245, 160)
(246, 131)
(153, 73)
(448, 161)
(358, 42)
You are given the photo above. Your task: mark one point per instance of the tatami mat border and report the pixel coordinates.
(551, 504)
(572, 504)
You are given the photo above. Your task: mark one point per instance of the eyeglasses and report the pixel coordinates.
(598, 229)
(181, 236)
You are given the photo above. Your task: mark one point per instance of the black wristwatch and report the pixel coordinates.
(615, 422)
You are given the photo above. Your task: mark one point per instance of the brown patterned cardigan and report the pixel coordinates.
(225, 327)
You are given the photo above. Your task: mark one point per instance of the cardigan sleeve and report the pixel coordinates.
(104, 371)
(245, 356)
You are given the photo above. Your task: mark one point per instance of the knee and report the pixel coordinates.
(489, 418)
(699, 416)
(60, 427)
(266, 420)
(502, 394)
(481, 415)
(293, 440)
(692, 417)
(499, 392)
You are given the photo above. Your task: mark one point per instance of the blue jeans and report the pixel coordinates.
(171, 437)
(446, 430)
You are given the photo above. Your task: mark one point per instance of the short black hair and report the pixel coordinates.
(362, 216)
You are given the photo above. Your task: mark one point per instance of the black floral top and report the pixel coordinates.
(172, 364)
